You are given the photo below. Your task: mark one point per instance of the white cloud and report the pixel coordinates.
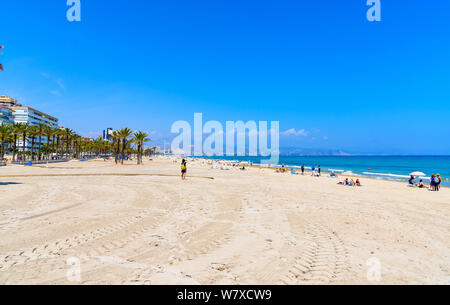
(55, 93)
(293, 132)
(60, 84)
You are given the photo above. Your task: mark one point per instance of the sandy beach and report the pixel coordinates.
(142, 225)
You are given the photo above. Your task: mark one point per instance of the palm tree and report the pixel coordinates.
(140, 138)
(15, 130)
(41, 129)
(116, 139)
(22, 129)
(76, 144)
(5, 135)
(124, 135)
(33, 133)
(59, 137)
(49, 133)
(55, 135)
(67, 133)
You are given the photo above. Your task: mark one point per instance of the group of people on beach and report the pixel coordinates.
(435, 182)
(315, 171)
(350, 182)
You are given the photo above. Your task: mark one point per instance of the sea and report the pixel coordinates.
(396, 168)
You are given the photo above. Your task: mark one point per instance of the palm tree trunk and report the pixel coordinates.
(2, 150)
(39, 148)
(117, 151)
(123, 150)
(67, 147)
(53, 145)
(32, 148)
(23, 146)
(15, 148)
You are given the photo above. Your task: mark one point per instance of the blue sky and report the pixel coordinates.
(317, 66)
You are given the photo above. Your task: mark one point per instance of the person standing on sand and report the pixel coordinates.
(433, 182)
(303, 169)
(438, 182)
(313, 170)
(319, 169)
(183, 169)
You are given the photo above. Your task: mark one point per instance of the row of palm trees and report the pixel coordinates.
(124, 139)
(49, 143)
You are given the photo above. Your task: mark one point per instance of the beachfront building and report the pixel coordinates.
(107, 134)
(33, 116)
(13, 112)
(6, 115)
(7, 101)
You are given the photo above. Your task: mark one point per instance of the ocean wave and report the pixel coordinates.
(336, 170)
(386, 175)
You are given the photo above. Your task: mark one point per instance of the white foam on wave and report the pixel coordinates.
(348, 173)
(386, 175)
(336, 170)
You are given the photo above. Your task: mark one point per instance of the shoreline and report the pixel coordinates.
(327, 172)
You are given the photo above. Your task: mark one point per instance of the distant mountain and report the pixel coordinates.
(298, 152)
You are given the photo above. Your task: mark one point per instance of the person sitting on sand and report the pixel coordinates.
(345, 182)
(421, 185)
(357, 183)
(352, 182)
(411, 180)
(333, 175)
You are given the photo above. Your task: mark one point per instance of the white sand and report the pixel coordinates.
(252, 227)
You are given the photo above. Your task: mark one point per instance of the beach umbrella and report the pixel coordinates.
(417, 174)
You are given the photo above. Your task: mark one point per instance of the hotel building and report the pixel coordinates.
(107, 133)
(6, 101)
(33, 116)
(23, 114)
(6, 115)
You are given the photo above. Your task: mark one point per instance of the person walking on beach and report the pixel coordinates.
(303, 169)
(183, 169)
